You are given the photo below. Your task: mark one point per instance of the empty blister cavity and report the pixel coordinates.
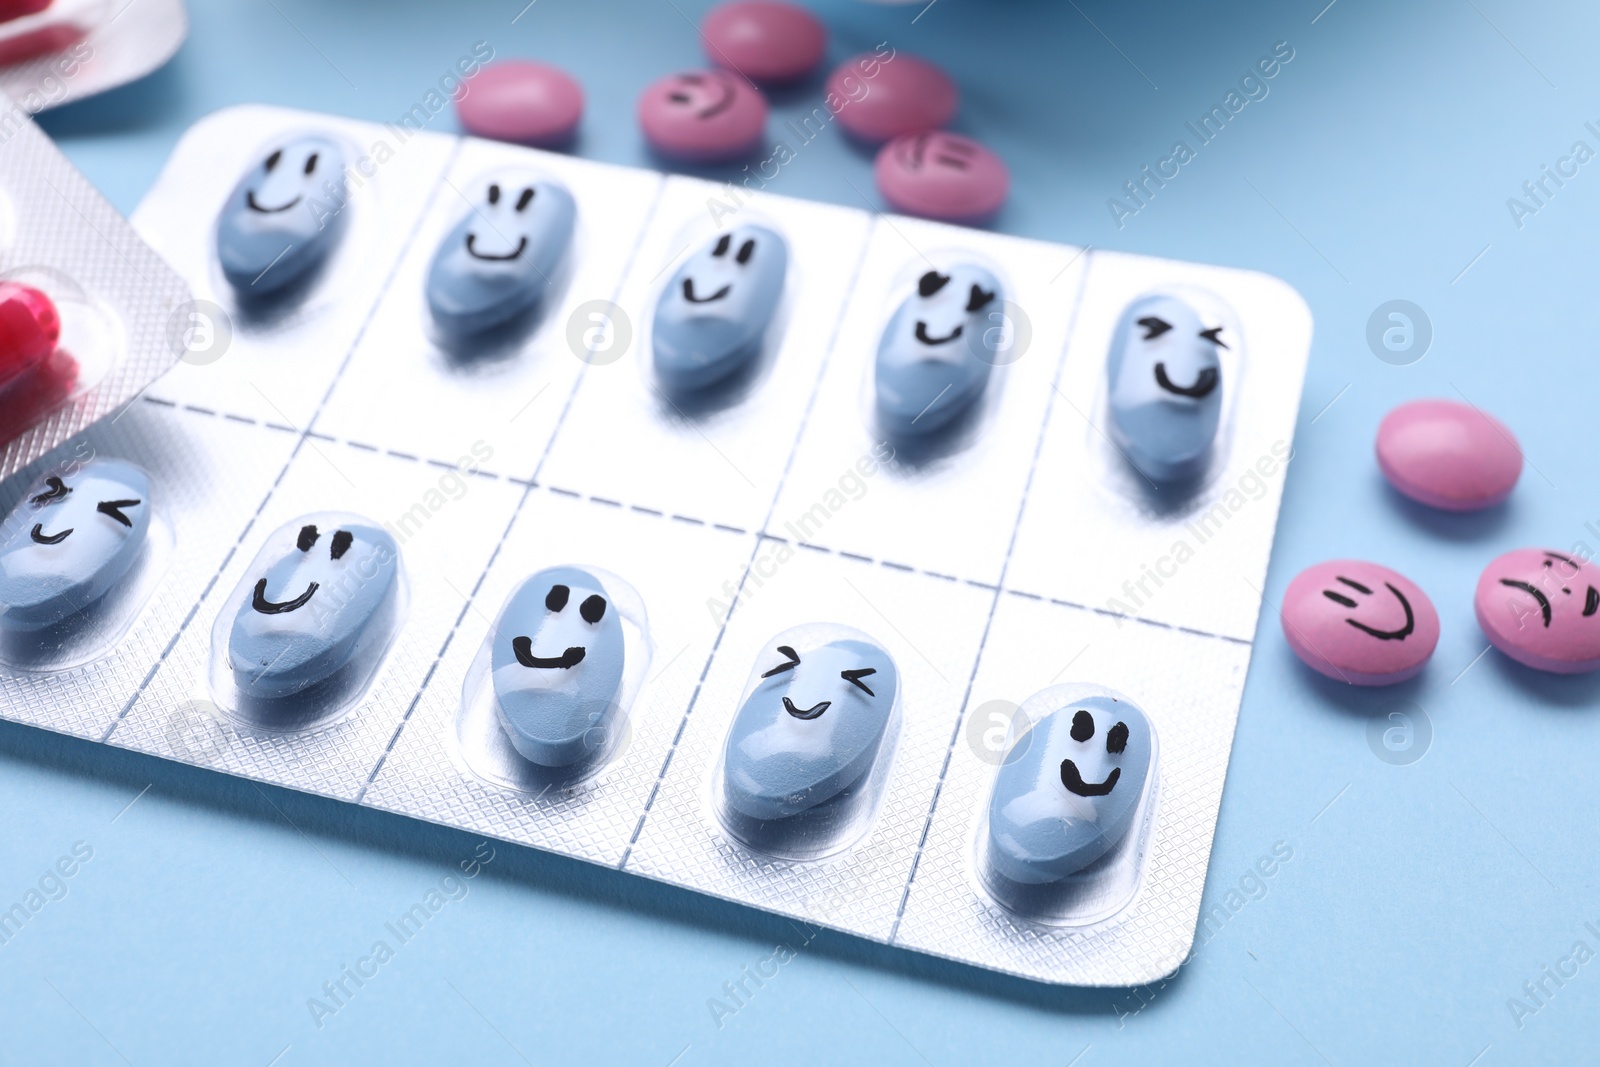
(938, 353)
(299, 641)
(547, 700)
(808, 752)
(1166, 384)
(499, 261)
(713, 315)
(1063, 836)
(284, 218)
(80, 555)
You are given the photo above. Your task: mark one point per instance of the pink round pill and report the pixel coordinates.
(1542, 609)
(942, 175)
(765, 40)
(1448, 455)
(878, 97)
(702, 116)
(1359, 622)
(517, 100)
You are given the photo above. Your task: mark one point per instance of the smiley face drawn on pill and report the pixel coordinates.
(284, 216)
(320, 607)
(1348, 588)
(1068, 790)
(928, 371)
(1165, 374)
(1359, 623)
(702, 116)
(498, 261)
(69, 540)
(811, 728)
(1542, 608)
(557, 660)
(711, 317)
(703, 94)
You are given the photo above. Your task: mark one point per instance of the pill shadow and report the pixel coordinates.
(1361, 702)
(517, 866)
(1569, 692)
(1460, 526)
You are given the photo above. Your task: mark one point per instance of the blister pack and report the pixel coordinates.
(892, 576)
(55, 51)
(87, 310)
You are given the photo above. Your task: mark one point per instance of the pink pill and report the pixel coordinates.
(516, 100)
(764, 40)
(702, 116)
(1359, 623)
(1542, 609)
(942, 176)
(878, 97)
(1448, 455)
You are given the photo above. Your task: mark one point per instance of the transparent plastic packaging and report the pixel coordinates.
(1011, 867)
(55, 51)
(574, 709)
(808, 755)
(299, 641)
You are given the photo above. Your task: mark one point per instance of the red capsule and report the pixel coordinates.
(29, 330)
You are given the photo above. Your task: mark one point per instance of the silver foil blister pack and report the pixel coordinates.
(761, 561)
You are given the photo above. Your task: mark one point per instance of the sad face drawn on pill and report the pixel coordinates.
(1542, 608)
(928, 371)
(498, 261)
(1068, 790)
(1165, 376)
(1561, 585)
(284, 216)
(714, 312)
(810, 729)
(1348, 589)
(557, 661)
(70, 540)
(320, 607)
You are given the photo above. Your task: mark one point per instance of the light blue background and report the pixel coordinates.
(1419, 898)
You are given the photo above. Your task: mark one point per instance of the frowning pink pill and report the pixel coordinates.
(1448, 455)
(765, 40)
(702, 116)
(1359, 623)
(1542, 609)
(942, 175)
(517, 100)
(884, 94)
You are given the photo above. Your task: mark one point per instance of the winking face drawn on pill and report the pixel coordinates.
(1165, 376)
(70, 540)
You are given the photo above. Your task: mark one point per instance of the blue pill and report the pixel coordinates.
(498, 262)
(811, 730)
(1166, 387)
(327, 604)
(928, 371)
(557, 661)
(713, 314)
(1068, 790)
(284, 217)
(70, 540)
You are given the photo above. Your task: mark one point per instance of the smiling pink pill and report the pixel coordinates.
(1359, 623)
(702, 116)
(942, 175)
(517, 100)
(1448, 455)
(878, 97)
(764, 40)
(1542, 609)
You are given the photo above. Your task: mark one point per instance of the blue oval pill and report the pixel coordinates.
(70, 540)
(497, 262)
(713, 314)
(557, 664)
(810, 730)
(284, 217)
(328, 603)
(928, 373)
(1068, 790)
(1166, 387)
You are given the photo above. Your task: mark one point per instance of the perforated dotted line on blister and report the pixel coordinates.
(618, 505)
